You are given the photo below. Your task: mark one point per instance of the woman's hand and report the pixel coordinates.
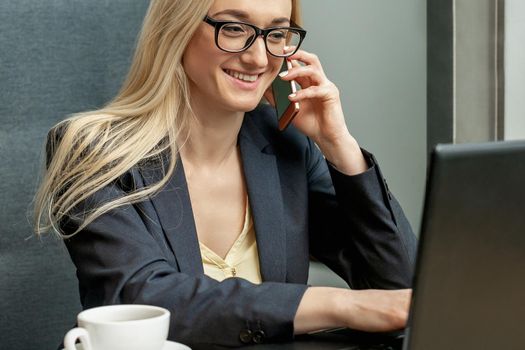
(365, 310)
(321, 115)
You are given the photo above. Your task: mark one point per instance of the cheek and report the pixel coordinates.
(197, 57)
(275, 64)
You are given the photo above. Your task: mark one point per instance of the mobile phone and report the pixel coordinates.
(286, 110)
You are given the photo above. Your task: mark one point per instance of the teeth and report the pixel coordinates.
(241, 76)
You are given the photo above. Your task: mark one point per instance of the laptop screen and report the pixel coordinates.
(469, 289)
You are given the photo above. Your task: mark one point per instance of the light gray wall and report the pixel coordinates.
(514, 69)
(475, 68)
(375, 52)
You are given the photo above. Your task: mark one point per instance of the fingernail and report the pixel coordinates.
(283, 74)
(292, 95)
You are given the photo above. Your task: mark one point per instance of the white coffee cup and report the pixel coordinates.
(120, 327)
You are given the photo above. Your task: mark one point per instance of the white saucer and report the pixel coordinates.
(169, 345)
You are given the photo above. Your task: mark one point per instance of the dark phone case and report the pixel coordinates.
(286, 110)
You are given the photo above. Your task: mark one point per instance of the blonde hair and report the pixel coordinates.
(90, 150)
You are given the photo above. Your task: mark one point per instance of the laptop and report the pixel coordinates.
(469, 286)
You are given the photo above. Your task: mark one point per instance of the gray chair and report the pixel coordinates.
(56, 57)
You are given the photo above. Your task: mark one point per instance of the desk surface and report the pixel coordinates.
(339, 340)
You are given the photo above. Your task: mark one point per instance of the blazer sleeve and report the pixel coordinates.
(119, 260)
(357, 227)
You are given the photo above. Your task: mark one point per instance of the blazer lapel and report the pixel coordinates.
(173, 207)
(265, 198)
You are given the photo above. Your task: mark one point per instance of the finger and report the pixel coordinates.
(314, 91)
(310, 72)
(295, 63)
(289, 49)
(307, 58)
(303, 82)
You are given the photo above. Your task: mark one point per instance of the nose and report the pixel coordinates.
(256, 54)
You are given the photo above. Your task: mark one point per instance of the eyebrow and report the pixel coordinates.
(243, 16)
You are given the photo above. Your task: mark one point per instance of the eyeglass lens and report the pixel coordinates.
(237, 37)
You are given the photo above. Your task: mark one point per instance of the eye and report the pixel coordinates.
(234, 30)
(277, 35)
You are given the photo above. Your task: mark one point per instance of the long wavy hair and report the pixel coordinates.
(90, 150)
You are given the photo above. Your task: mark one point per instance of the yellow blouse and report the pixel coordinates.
(242, 260)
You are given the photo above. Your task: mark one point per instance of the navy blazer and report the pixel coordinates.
(148, 252)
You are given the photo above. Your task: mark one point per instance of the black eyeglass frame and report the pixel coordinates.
(258, 32)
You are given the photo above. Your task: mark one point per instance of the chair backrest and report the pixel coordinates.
(56, 57)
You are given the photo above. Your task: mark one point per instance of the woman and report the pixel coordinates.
(183, 193)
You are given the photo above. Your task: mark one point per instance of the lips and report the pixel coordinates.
(250, 78)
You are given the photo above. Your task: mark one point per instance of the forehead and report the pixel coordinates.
(262, 12)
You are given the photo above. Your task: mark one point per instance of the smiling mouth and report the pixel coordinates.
(250, 78)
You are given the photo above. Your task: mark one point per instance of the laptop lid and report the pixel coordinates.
(469, 289)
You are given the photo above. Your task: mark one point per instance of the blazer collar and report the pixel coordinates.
(265, 197)
(173, 206)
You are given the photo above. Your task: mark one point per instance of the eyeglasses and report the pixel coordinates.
(238, 36)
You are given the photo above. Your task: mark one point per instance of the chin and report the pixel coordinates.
(250, 107)
(245, 106)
